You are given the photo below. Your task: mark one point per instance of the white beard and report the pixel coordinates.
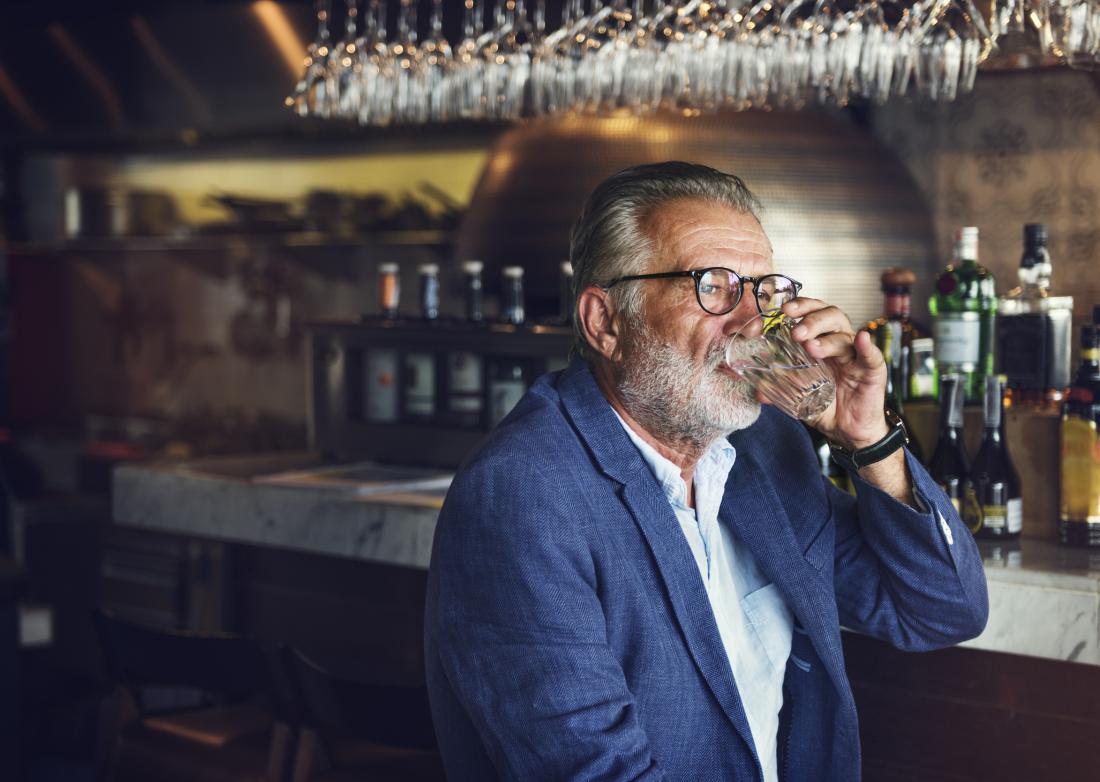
(677, 402)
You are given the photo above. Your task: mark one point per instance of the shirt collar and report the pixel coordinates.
(715, 464)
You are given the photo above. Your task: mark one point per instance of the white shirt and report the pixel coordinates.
(753, 619)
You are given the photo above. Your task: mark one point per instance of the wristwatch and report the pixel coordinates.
(861, 457)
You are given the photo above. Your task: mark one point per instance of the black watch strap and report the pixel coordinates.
(861, 457)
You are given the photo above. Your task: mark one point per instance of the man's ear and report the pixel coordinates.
(596, 316)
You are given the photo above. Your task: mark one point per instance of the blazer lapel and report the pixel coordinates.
(755, 511)
(619, 459)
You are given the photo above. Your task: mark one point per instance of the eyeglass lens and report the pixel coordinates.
(720, 291)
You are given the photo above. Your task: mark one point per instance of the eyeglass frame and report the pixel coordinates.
(698, 274)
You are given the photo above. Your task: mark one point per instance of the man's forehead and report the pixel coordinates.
(691, 234)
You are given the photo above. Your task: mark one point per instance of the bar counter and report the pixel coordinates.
(1044, 598)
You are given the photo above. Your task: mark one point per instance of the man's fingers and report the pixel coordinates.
(834, 346)
(867, 353)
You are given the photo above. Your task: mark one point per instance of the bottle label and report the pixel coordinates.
(420, 384)
(503, 396)
(1080, 470)
(958, 339)
(971, 510)
(1014, 516)
(465, 381)
(380, 369)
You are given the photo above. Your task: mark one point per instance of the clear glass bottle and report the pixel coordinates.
(429, 291)
(996, 481)
(507, 385)
(565, 294)
(471, 271)
(1079, 524)
(963, 305)
(512, 298)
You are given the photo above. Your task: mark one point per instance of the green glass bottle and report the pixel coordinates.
(963, 305)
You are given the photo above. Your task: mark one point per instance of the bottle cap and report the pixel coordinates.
(898, 277)
(428, 268)
(966, 241)
(512, 272)
(1035, 234)
(387, 268)
(472, 267)
(567, 268)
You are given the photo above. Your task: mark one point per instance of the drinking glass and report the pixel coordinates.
(764, 353)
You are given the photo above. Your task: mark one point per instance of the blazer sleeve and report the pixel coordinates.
(520, 630)
(912, 578)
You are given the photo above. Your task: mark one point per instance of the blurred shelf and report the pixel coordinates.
(435, 239)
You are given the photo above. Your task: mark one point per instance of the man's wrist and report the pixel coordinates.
(893, 438)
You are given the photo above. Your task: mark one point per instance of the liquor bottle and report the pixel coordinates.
(1035, 266)
(891, 336)
(429, 291)
(380, 383)
(923, 378)
(419, 386)
(836, 474)
(1080, 507)
(996, 481)
(895, 328)
(506, 387)
(471, 270)
(963, 305)
(465, 390)
(565, 294)
(389, 290)
(949, 466)
(512, 309)
(465, 387)
(1034, 330)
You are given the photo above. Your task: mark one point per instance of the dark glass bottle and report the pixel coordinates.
(1079, 524)
(896, 382)
(949, 466)
(996, 481)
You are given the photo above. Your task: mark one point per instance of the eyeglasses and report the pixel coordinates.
(718, 289)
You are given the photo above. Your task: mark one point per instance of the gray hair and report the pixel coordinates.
(609, 239)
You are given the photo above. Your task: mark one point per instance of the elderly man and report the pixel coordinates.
(641, 574)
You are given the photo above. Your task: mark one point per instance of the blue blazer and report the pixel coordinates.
(568, 634)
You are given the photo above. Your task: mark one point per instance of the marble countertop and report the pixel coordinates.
(1044, 598)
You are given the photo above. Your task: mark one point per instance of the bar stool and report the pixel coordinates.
(189, 706)
(353, 730)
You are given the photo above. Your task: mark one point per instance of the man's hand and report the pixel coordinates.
(855, 419)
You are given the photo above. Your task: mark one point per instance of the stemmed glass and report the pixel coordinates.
(308, 97)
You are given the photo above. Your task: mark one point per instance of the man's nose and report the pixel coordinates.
(743, 320)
